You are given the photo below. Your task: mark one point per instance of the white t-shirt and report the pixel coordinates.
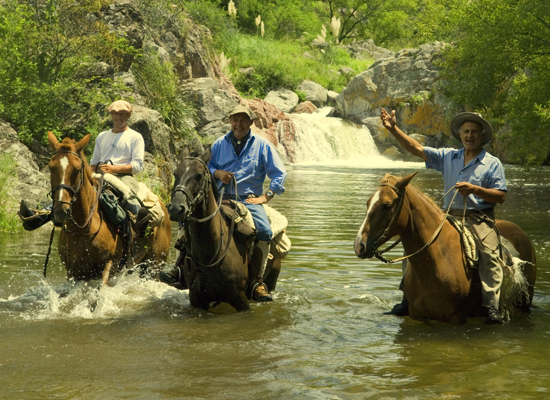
(122, 148)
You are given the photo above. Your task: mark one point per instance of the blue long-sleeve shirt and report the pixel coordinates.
(257, 160)
(485, 170)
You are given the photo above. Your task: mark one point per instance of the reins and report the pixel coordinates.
(378, 254)
(74, 193)
(203, 195)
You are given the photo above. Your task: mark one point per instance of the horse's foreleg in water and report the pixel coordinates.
(106, 272)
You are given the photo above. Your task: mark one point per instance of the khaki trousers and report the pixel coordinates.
(489, 268)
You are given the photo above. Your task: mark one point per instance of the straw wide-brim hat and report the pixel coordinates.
(120, 105)
(240, 109)
(458, 120)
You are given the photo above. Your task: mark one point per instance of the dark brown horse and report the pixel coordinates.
(89, 246)
(437, 283)
(216, 269)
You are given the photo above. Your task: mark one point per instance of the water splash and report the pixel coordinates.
(126, 295)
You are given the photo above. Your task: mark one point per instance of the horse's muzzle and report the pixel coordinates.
(178, 211)
(60, 213)
(363, 249)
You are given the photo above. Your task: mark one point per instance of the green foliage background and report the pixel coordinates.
(498, 63)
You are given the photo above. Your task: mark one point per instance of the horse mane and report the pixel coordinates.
(391, 179)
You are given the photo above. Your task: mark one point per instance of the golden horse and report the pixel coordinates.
(438, 283)
(90, 247)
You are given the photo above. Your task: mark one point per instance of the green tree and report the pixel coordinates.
(288, 19)
(500, 65)
(383, 20)
(46, 46)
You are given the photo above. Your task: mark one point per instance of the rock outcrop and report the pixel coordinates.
(408, 83)
(314, 92)
(30, 184)
(284, 99)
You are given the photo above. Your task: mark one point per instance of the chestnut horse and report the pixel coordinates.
(438, 283)
(89, 246)
(216, 269)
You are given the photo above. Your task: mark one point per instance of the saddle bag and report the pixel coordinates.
(112, 210)
(243, 231)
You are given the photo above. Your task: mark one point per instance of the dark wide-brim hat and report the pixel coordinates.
(458, 120)
(240, 109)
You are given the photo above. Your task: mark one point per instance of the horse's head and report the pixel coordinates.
(192, 180)
(384, 218)
(67, 169)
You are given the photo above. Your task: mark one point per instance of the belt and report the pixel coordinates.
(242, 197)
(458, 212)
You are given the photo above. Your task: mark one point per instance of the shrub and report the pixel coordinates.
(44, 48)
(9, 222)
(158, 83)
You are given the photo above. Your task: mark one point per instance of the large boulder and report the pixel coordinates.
(408, 83)
(314, 92)
(28, 183)
(155, 132)
(283, 98)
(211, 104)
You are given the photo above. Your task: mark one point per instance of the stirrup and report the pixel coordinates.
(263, 297)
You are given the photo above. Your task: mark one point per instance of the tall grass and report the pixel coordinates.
(9, 222)
(282, 63)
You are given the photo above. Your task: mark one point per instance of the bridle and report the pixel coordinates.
(74, 194)
(202, 196)
(383, 237)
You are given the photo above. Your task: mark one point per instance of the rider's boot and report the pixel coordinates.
(174, 277)
(260, 292)
(142, 222)
(33, 219)
(493, 316)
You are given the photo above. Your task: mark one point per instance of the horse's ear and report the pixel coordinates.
(403, 182)
(83, 142)
(207, 154)
(53, 141)
(185, 152)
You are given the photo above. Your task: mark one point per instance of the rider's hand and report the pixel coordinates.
(107, 168)
(263, 199)
(223, 176)
(388, 121)
(465, 188)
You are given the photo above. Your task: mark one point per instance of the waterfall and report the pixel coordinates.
(325, 140)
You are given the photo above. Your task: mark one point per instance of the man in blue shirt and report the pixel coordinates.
(248, 158)
(479, 178)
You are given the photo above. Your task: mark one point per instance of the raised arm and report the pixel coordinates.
(405, 141)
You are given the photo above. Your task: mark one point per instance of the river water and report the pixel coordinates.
(325, 335)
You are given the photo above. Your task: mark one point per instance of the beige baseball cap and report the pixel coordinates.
(120, 105)
(240, 109)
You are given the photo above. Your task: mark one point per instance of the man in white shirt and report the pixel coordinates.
(118, 151)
